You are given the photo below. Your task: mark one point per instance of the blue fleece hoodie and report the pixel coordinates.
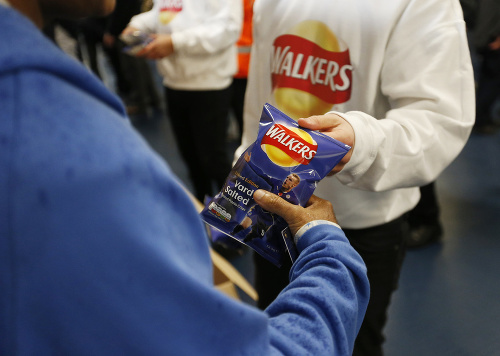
(102, 252)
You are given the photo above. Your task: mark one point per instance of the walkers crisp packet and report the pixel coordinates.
(286, 160)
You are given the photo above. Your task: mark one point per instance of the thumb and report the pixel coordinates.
(273, 203)
(320, 122)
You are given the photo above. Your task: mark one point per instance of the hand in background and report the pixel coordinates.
(495, 45)
(108, 40)
(128, 30)
(160, 47)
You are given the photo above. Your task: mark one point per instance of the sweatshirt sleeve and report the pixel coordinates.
(321, 310)
(146, 21)
(428, 79)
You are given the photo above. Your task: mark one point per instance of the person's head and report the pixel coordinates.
(291, 182)
(43, 11)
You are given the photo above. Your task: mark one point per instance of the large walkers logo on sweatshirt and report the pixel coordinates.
(169, 9)
(288, 146)
(311, 70)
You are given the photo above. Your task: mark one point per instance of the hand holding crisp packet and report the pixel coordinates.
(286, 160)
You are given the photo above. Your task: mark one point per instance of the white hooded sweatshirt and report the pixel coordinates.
(398, 70)
(204, 33)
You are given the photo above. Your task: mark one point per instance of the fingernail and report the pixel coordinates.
(259, 193)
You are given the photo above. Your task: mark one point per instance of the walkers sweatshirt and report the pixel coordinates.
(399, 71)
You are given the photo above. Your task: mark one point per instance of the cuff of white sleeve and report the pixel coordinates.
(363, 153)
(310, 225)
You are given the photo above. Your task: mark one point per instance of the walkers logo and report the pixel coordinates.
(288, 146)
(169, 9)
(311, 70)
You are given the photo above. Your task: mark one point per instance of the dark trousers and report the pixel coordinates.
(238, 89)
(427, 211)
(143, 91)
(382, 249)
(199, 121)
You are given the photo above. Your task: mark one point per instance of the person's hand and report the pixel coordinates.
(295, 215)
(108, 40)
(495, 45)
(128, 30)
(160, 47)
(334, 126)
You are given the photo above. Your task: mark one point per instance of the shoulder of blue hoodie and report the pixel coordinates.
(102, 252)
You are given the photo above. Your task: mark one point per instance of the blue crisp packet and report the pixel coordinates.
(286, 160)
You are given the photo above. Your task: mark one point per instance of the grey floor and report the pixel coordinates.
(448, 302)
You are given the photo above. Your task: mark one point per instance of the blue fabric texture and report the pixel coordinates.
(103, 253)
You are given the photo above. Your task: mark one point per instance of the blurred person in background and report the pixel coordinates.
(483, 20)
(240, 79)
(134, 77)
(194, 45)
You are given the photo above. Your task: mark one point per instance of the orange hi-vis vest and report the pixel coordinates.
(245, 42)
